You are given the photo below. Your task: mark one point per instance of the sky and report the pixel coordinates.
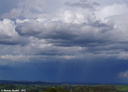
(64, 40)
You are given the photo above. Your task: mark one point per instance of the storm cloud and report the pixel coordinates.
(83, 32)
(66, 35)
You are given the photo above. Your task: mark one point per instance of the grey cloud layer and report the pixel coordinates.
(71, 41)
(66, 36)
(70, 34)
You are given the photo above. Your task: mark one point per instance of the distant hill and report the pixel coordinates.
(28, 82)
(54, 83)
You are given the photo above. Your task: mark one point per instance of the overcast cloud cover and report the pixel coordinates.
(64, 40)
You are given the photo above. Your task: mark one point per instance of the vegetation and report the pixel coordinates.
(122, 88)
(67, 88)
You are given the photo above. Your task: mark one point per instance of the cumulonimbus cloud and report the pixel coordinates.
(76, 33)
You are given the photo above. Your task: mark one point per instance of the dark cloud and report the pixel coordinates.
(101, 72)
(16, 41)
(72, 40)
(53, 30)
(61, 33)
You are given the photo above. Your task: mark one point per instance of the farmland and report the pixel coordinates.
(66, 88)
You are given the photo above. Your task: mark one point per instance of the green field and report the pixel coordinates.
(67, 88)
(122, 88)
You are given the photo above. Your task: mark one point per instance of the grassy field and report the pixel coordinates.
(122, 88)
(67, 88)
